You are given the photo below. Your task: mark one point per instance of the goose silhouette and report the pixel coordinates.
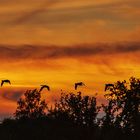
(44, 86)
(108, 85)
(5, 81)
(79, 84)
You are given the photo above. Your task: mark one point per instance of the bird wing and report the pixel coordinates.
(9, 82)
(48, 88)
(41, 88)
(75, 86)
(106, 86)
(2, 83)
(44, 86)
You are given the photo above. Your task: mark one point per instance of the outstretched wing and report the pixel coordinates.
(41, 88)
(106, 86)
(2, 82)
(48, 88)
(76, 86)
(9, 82)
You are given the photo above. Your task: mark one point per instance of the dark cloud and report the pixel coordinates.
(13, 95)
(53, 52)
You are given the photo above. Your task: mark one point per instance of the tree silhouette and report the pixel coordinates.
(79, 109)
(108, 119)
(125, 101)
(75, 117)
(31, 106)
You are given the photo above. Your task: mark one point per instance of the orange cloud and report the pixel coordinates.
(67, 22)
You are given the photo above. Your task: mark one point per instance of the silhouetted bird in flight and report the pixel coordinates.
(44, 86)
(79, 84)
(108, 85)
(5, 81)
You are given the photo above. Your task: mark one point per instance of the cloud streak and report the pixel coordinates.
(12, 94)
(41, 15)
(68, 22)
(30, 14)
(54, 52)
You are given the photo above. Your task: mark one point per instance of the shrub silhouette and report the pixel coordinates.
(31, 106)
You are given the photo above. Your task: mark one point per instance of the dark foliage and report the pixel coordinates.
(122, 114)
(78, 109)
(75, 117)
(31, 106)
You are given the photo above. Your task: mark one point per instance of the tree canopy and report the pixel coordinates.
(77, 115)
(31, 106)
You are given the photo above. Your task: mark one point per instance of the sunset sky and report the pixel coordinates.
(60, 42)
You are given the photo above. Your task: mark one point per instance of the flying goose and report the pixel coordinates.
(5, 81)
(108, 85)
(79, 84)
(44, 86)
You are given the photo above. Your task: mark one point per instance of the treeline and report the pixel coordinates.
(76, 117)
